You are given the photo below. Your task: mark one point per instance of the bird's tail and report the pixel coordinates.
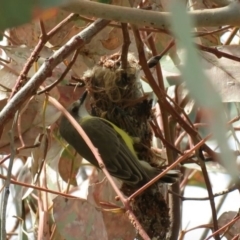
(171, 176)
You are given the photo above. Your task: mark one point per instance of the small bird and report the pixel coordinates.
(114, 145)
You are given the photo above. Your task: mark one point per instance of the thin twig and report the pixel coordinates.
(11, 40)
(210, 194)
(202, 34)
(51, 86)
(22, 78)
(42, 142)
(19, 128)
(231, 36)
(43, 231)
(233, 188)
(23, 184)
(225, 226)
(153, 61)
(78, 84)
(217, 53)
(8, 182)
(164, 113)
(180, 110)
(158, 134)
(125, 46)
(42, 27)
(5, 159)
(71, 17)
(4, 60)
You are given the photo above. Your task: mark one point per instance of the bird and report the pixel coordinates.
(114, 145)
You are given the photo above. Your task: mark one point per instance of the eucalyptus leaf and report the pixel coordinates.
(200, 86)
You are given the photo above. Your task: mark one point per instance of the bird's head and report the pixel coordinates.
(78, 108)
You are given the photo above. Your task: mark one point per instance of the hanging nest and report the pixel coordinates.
(117, 95)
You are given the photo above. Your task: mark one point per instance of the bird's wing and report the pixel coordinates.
(118, 159)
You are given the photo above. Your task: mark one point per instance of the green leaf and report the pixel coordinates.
(199, 85)
(17, 12)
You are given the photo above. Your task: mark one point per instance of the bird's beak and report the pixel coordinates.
(83, 97)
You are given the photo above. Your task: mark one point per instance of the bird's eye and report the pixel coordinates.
(75, 107)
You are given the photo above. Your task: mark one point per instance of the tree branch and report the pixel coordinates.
(229, 15)
(30, 88)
